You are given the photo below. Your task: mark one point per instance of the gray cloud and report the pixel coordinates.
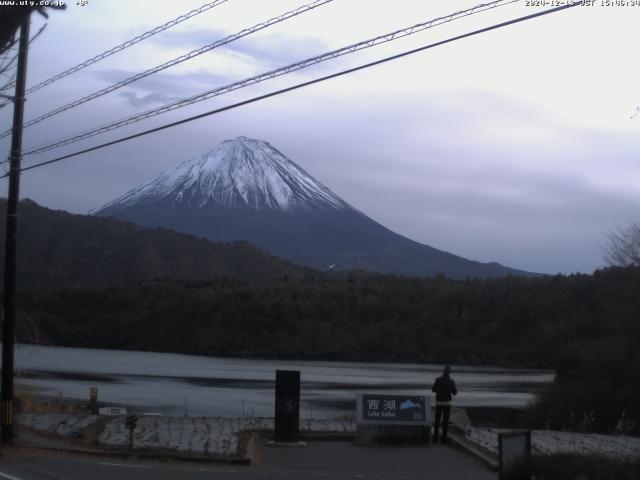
(267, 49)
(165, 82)
(434, 175)
(278, 49)
(151, 99)
(163, 87)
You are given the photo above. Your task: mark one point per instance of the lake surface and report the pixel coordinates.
(174, 384)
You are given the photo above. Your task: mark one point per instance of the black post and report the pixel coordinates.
(287, 418)
(93, 401)
(10, 244)
(130, 423)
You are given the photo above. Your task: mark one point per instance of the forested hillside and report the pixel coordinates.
(526, 321)
(56, 248)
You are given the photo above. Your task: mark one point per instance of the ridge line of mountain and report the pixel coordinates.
(246, 189)
(59, 249)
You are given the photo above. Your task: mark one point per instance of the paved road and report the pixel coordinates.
(322, 460)
(344, 460)
(31, 439)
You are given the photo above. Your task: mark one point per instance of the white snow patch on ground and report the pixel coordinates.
(59, 424)
(202, 435)
(550, 441)
(195, 435)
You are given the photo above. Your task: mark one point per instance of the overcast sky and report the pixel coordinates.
(516, 146)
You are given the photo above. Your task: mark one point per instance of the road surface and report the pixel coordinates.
(322, 460)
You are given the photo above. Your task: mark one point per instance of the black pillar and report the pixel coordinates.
(287, 418)
(93, 400)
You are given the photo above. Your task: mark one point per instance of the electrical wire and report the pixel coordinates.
(183, 58)
(127, 44)
(301, 85)
(388, 37)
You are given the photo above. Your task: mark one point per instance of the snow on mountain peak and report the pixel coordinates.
(242, 172)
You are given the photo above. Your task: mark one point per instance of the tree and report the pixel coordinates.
(623, 249)
(11, 17)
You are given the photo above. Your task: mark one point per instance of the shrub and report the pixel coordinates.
(574, 467)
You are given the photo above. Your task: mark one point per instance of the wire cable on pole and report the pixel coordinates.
(127, 44)
(388, 37)
(183, 58)
(303, 84)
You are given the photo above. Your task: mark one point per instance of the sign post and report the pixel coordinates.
(130, 423)
(513, 447)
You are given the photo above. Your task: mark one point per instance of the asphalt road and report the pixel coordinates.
(322, 460)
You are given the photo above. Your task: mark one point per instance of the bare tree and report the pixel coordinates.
(10, 20)
(11, 17)
(623, 249)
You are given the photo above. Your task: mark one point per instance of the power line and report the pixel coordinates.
(127, 44)
(301, 85)
(267, 76)
(388, 37)
(176, 61)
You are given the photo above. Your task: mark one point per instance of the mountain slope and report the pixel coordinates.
(57, 248)
(246, 189)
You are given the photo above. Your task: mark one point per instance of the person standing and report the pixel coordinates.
(445, 388)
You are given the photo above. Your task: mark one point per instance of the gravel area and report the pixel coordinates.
(69, 426)
(194, 435)
(549, 441)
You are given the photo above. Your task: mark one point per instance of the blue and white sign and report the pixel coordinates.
(382, 409)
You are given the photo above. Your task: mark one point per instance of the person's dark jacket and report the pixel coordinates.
(444, 387)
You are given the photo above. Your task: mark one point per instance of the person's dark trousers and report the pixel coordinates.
(442, 411)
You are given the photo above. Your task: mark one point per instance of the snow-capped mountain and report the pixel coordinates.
(238, 173)
(245, 189)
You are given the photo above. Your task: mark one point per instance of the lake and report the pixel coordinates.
(175, 384)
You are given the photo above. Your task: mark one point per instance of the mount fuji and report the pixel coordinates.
(245, 189)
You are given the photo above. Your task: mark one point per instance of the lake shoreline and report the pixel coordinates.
(374, 360)
(175, 384)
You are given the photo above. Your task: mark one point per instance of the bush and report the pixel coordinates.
(574, 467)
(595, 390)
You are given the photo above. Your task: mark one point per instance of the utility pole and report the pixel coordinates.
(9, 299)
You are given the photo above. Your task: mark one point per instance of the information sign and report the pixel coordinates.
(382, 409)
